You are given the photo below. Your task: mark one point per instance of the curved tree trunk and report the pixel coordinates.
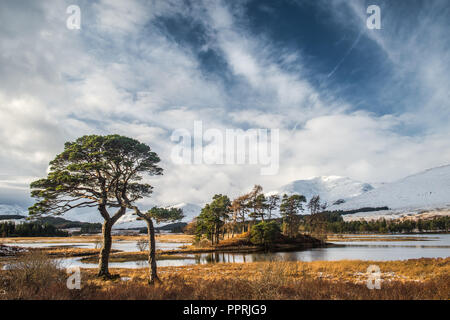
(153, 275)
(105, 250)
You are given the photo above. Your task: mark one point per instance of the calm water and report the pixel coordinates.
(428, 246)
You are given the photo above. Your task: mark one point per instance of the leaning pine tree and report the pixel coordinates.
(159, 215)
(103, 172)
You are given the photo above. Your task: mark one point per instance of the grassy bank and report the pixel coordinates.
(352, 271)
(411, 279)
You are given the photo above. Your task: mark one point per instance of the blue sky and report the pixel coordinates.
(369, 104)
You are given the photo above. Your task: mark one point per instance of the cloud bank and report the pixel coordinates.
(146, 68)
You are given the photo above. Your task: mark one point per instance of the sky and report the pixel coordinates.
(370, 104)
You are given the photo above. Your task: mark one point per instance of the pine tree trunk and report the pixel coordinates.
(153, 275)
(105, 250)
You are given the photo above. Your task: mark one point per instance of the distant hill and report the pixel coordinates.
(11, 217)
(57, 222)
(128, 221)
(173, 227)
(62, 223)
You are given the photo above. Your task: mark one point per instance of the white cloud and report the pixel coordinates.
(121, 74)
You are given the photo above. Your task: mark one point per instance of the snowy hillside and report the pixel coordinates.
(190, 211)
(426, 190)
(12, 210)
(329, 188)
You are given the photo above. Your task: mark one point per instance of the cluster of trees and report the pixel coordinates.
(265, 233)
(32, 229)
(224, 216)
(389, 226)
(265, 217)
(213, 217)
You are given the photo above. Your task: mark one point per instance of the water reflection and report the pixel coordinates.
(431, 246)
(329, 254)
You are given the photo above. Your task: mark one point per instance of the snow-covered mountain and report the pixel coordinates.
(329, 188)
(129, 220)
(8, 210)
(190, 210)
(429, 189)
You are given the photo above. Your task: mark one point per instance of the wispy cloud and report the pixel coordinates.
(346, 54)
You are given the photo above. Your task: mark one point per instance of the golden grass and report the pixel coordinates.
(343, 270)
(411, 279)
(169, 237)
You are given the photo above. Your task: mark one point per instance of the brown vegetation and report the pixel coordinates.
(134, 256)
(162, 237)
(412, 279)
(29, 275)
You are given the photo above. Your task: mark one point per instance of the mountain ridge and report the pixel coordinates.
(428, 189)
(329, 188)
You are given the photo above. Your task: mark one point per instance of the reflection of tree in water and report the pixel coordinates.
(249, 257)
(252, 257)
(259, 257)
(215, 257)
(211, 258)
(287, 256)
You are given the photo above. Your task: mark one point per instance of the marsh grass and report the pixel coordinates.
(412, 279)
(29, 274)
